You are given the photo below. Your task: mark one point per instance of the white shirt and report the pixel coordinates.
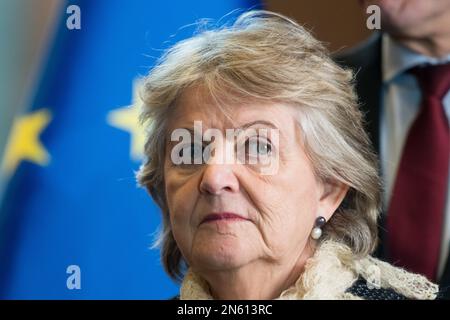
(401, 98)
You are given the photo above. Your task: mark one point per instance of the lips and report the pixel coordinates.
(227, 216)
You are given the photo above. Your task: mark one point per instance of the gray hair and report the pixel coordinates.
(269, 57)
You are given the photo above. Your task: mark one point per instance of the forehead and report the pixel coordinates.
(196, 104)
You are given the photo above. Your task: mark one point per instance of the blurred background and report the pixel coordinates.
(73, 223)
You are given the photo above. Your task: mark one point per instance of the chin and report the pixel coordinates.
(221, 253)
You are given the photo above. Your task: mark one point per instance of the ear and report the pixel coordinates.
(333, 192)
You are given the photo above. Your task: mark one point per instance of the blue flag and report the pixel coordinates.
(74, 224)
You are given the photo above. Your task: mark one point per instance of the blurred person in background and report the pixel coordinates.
(403, 81)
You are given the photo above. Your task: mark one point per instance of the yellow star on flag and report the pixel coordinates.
(24, 144)
(127, 119)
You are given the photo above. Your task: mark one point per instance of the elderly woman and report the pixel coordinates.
(263, 172)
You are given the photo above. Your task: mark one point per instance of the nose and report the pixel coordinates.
(218, 179)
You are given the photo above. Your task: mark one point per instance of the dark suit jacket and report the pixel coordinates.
(365, 60)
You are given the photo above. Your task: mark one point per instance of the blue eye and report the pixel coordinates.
(256, 146)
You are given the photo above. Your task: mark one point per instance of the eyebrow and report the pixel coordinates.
(264, 122)
(244, 126)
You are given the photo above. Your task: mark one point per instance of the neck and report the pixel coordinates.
(430, 38)
(259, 280)
(436, 47)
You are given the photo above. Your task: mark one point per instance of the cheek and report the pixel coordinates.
(181, 196)
(303, 204)
(294, 216)
(180, 192)
(287, 205)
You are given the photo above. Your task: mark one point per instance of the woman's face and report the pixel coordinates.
(228, 214)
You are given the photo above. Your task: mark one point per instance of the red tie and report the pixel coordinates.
(416, 211)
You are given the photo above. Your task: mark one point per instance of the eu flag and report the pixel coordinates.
(74, 224)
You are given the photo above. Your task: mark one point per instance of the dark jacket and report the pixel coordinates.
(365, 61)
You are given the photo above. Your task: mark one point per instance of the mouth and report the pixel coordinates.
(223, 216)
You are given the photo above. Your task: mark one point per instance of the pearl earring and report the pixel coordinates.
(316, 232)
